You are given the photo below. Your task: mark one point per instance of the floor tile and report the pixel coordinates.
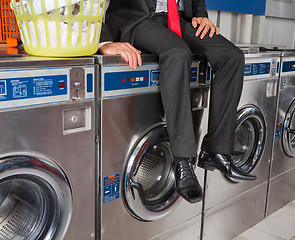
(254, 234)
(289, 209)
(278, 224)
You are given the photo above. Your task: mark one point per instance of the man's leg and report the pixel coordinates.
(175, 62)
(227, 62)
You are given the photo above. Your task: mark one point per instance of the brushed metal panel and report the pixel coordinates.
(189, 230)
(218, 188)
(280, 8)
(280, 161)
(281, 191)
(40, 129)
(233, 217)
(123, 122)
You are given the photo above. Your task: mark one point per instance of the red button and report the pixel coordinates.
(61, 84)
(145, 78)
(124, 80)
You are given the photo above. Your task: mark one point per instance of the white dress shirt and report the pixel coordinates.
(162, 5)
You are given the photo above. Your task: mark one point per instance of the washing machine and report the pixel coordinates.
(47, 148)
(282, 174)
(136, 182)
(231, 206)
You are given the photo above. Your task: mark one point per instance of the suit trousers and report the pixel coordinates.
(227, 61)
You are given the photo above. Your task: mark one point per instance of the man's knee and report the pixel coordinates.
(237, 55)
(179, 54)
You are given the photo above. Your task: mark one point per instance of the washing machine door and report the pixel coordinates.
(250, 138)
(35, 198)
(149, 184)
(288, 132)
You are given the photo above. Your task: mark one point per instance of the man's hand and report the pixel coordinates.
(205, 25)
(127, 52)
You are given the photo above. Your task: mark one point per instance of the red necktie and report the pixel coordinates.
(173, 17)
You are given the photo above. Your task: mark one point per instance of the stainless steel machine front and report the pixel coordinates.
(282, 174)
(47, 188)
(138, 197)
(232, 206)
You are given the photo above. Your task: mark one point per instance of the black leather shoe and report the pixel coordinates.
(187, 184)
(224, 164)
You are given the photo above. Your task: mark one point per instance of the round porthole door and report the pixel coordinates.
(288, 139)
(250, 137)
(35, 198)
(149, 183)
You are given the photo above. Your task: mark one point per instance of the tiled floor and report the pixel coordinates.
(278, 226)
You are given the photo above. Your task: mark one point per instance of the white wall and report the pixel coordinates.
(265, 30)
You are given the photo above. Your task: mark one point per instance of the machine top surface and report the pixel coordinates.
(24, 61)
(263, 55)
(146, 59)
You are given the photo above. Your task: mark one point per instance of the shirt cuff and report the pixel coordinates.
(102, 43)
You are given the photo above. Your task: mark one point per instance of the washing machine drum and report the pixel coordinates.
(35, 199)
(288, 132)
(250, 137)
(149, 184)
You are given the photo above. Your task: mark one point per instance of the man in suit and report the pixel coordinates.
(144, 24)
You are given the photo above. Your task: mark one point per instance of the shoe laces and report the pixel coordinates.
(186, 166)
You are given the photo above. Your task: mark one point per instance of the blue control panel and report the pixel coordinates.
(289, 66)
(137, 79)
(126, 80)
(32, 87)
(253, 69)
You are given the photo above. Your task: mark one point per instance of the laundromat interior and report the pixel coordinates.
(84, 148)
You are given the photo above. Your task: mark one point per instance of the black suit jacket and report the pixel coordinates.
(123, 15)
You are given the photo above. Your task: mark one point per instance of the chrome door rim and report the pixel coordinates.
(30, 165)
(132, 198)
(289, 131)
(255, 116)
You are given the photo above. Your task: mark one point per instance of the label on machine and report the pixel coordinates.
(32, 87)
(254, 69)
(111, 187)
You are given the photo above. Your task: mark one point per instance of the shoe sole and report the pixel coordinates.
(191, 200)
(210, 168)
(207, 167)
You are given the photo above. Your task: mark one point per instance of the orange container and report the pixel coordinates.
(9, 27)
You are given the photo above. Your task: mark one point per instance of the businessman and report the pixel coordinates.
(173, 29)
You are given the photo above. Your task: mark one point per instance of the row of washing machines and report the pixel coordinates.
(84, 150)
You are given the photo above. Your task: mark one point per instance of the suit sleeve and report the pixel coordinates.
(199, 8)
(105, 35)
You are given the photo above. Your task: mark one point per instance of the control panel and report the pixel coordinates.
(126, 80)
(33, 87)
(28, 87)
(118, 80)
(288, 66)
(254, 69)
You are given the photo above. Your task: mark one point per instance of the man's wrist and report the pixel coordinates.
(103, 43)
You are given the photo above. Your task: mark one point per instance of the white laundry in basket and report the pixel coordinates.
(64, 27)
